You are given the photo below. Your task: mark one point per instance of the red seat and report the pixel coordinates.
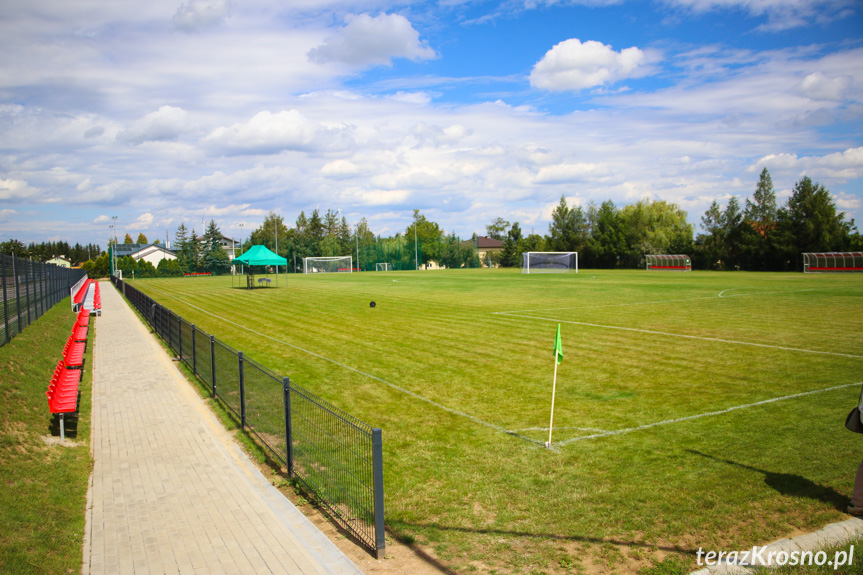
(82, 320)
(73, 352)
(79, 332)
(63, 391)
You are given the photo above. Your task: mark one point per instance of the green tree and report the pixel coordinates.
(428, 236)
(511, 254)
(655, 227)
(271, 230)
(607, 241)
(568, 230)
(759, 232)
(142, 239)
(181, 247)
(812, 221)
(497, 229)
(128, 239)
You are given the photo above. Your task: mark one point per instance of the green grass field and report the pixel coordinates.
(665, 438)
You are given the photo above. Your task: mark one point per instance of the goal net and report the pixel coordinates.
(313, 265)
(382, 267)
(833, 262)
(549, 262)
(668, 262)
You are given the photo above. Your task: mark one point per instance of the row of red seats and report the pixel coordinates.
(63, 390)
(97, 298)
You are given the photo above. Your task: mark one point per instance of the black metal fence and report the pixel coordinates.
(27, 290)
(335, 456)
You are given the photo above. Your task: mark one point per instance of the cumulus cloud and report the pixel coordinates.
(573, 66)
(199, 14)
(14, 190)
(165, 124)
(818, 86)
(372, 41)
(838, 165)
(268, 133)
(142, 222)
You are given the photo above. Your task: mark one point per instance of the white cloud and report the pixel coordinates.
(573, 66)
(837, 166)
(13, 190)
(142, 222)
(165, 124)
(198, 14)
(563, 173)
(372, 40)
(817, 86)
(268, 133)
(781, 14)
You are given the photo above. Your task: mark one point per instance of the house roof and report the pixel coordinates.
(133, 249)
(487, 242)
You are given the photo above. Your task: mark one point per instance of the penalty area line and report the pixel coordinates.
(370, 376)
(700, 415)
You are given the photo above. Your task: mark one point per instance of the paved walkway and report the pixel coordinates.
(170, 491)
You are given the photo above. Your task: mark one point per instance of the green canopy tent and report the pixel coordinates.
(260, 256)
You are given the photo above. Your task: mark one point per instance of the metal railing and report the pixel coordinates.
(336, 457)
(27, 290)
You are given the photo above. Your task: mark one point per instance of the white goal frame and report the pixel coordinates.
(382, 267)
(549, 262)
(832, 262)
(329, 264)
(668, 262)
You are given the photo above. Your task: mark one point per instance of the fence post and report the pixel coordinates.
(213, 362)
(17, 292)
(289, 439)
(27, 288)
(5, 299)
(378, 478)
(242, 391)
(194, 353)
(180, 338)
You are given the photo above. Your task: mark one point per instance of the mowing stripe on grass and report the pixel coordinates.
(651, 302)
(668, 334)
(363, 373)
(708, 414)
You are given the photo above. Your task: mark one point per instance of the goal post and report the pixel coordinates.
(549, 262)
(382, 267)
(315, 265)
(668, 262)
(832, 262)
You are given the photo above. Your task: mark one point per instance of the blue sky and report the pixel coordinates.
(175, 111)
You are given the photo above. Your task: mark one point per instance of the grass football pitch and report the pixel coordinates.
(693, 410)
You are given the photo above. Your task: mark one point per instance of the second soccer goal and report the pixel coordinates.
(549, 262)
(313, 265)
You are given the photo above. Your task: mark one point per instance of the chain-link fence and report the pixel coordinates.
(335, 456)
(28, 289)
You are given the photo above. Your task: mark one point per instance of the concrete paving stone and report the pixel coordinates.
(171, 492)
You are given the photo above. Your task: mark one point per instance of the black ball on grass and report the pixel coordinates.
(372, 304)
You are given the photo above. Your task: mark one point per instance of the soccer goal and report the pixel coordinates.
(833, 262)
(382, 267)
(549, 262)
(666, 262)
(317, 265)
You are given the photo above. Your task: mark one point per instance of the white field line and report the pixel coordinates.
(708, 414)
(370, 376)
(651, 302)
(699, 337)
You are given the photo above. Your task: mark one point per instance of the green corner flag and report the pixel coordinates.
(558, 356)
(558, 346)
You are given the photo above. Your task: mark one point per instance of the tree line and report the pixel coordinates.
(761, 235)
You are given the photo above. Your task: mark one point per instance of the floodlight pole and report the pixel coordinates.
(416, 249)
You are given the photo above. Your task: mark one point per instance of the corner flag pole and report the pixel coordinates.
(558, 357)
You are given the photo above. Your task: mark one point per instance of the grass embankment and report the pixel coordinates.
(43, 499)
